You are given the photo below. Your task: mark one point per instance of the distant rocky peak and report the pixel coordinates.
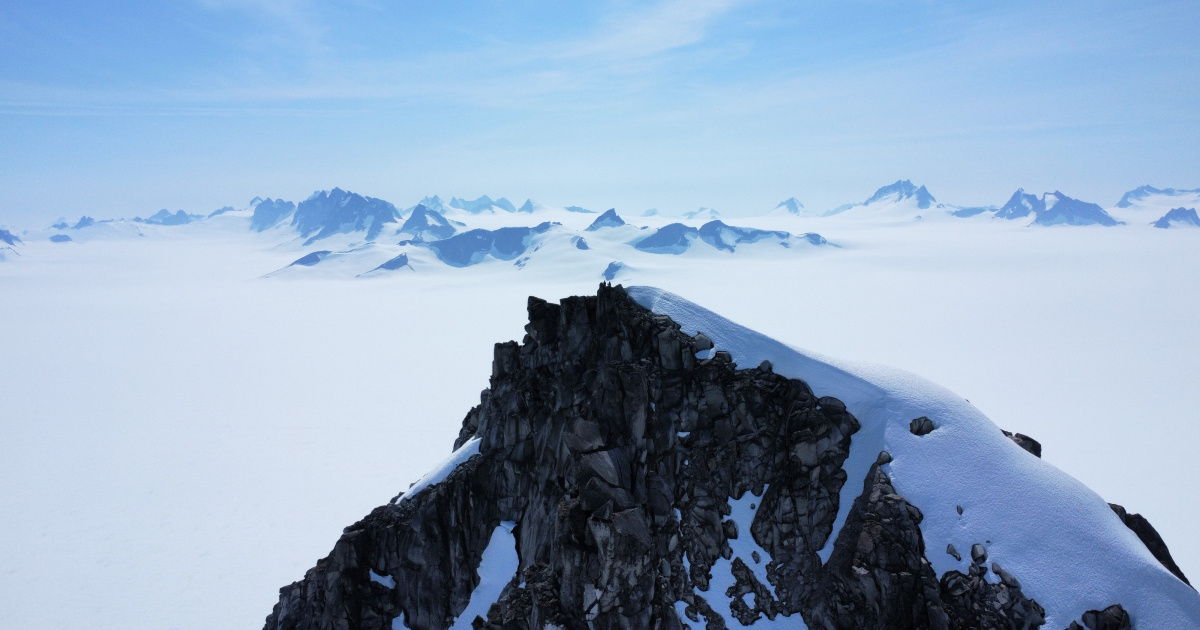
(901, 190)
(426, 225)
(791, 205)
(1059, 209)
(1021, 204)
(270, 212)
(702, 213)
(607, 220)
(483, 204)
(165, 217)
(432, 203)
(8, 237)
(339, 211)
(1178, 217)
(1132, 197)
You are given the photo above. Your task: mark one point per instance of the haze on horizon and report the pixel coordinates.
(127, 107)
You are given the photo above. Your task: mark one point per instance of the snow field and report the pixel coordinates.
(163, 404)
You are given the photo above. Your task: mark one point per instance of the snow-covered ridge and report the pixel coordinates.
(1071, 551)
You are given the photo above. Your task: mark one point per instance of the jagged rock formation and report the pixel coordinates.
(646, 488)
(337, 211)
(1149, 537)
(1112, 618)
(609, 219)
(1177, 217)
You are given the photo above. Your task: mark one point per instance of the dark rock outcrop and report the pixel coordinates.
(645, 488)
(1149, 537)
(921, 426)
(1024, 441)
(1112, 618)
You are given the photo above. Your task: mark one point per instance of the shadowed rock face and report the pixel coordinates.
(649, 489)
(1149, 537)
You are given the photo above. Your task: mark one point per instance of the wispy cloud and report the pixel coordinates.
(652, 30)
(294, 24)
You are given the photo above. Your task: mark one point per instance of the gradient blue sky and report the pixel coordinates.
(121, 108)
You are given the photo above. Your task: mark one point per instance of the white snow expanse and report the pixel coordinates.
(182, 436)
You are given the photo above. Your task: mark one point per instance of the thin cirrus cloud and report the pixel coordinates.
(287, 53)
(621, 43)
(656, 103)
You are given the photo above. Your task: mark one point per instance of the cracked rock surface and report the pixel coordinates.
(649, 489)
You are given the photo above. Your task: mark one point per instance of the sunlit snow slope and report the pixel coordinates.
(1069, 549)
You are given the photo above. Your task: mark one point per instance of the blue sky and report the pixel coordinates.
(121, 108)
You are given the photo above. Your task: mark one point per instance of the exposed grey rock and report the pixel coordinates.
(1025, 442)
(1149, 537)
(953, 552)
(921, 426)
(973, 602)
(1112, 618)
(978, 554)
(616, 452)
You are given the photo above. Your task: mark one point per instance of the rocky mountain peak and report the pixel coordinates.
(620, 473)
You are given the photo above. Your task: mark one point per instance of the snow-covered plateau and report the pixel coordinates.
(194, 406)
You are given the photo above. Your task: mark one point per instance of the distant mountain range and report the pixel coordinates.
(904, 200)
(428, 224)
(1142, 194)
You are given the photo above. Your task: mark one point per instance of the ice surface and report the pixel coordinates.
(497, 568)
(1060, 539)
(439, 474)
(742, 512)
(385, 580)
